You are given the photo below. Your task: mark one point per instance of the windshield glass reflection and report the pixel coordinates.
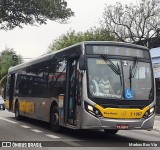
(140, 85)
(133, 82)
(103, 80)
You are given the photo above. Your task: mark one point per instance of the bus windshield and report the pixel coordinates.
(137, 80)
(119, 79)
(104, 81)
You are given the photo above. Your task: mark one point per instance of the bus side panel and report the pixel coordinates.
(36, 108)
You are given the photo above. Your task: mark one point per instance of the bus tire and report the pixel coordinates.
(54, 121)
(110, 131)
(17, 115)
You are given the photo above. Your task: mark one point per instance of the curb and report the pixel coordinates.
(156, 130)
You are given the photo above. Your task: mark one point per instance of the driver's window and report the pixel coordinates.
(103, 80)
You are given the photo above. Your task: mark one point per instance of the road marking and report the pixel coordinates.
(35, 130)
(52, 136)
(120, 134)
(156, 121)
(8, 120)
(72, 143)
(24, 126)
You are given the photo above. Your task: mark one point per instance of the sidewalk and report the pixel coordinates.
(157, 123)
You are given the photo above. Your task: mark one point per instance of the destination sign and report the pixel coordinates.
(115, 50)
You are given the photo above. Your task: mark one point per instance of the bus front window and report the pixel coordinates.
(138, 80)
(104, 81)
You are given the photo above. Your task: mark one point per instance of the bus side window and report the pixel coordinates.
(24, 88)
(56, 80)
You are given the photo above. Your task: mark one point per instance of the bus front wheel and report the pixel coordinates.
(54, 121)
(110, 131)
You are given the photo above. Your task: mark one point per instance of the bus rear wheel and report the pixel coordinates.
(54, 121)
(110, 131)
(17, 115)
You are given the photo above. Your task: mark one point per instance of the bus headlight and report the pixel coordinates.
(151, 110)
(92, 110)
(149, 113)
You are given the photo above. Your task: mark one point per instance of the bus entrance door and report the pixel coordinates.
(71, 91)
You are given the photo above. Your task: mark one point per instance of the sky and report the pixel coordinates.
(32, 41)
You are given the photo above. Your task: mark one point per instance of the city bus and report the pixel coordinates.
(101, 85)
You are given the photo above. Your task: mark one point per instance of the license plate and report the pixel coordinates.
(122, 127)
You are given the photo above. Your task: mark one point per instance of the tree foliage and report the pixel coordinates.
(134, 22)
(19, 12)
(72, 37)
(6, 61)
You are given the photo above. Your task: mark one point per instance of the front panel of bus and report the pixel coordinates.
(120, 88)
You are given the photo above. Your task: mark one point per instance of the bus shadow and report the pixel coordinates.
(84, 135)
(97, 135)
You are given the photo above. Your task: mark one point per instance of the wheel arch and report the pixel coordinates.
(54, 103)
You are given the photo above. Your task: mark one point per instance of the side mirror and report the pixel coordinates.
(82, 64)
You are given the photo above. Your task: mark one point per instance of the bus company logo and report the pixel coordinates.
(110, 113)
(6, 144)
(123, 113)
(106, 113)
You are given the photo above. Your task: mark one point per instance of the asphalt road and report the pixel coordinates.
(36, 133)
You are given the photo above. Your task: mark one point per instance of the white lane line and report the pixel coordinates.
(72, 143)
(35, 130)
(52, 136)
(156, 121)
(24, 126)
(120, 134)
(8, 120)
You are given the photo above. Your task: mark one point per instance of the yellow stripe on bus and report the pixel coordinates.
(7, 104)
(26, 107)
(122, 113)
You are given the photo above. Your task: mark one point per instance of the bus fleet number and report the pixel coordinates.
(136, 114)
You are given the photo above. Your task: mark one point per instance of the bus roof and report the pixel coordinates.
(71, 50)
(58, 54)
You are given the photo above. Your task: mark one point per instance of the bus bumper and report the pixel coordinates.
(91, 122)
(129, 123)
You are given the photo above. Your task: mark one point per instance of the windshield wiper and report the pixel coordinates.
(132, 70)
(115, 68)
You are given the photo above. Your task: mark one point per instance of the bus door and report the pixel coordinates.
(11, 90)
(71, 93)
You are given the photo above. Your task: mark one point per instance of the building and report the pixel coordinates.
(155, 54)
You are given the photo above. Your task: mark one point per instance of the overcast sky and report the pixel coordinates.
(33, 41)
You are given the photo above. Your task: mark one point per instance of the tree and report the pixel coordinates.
(6, 61)
(19, 12)
(71, 37)
(133, 23)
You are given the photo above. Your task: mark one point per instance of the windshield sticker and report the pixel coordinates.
(125, 63)
(142, 73)
(128, 94)
(100, 62)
